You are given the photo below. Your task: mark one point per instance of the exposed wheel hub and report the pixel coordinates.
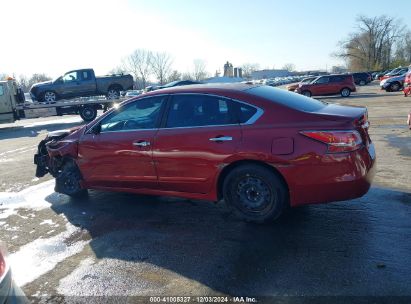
(253, 193)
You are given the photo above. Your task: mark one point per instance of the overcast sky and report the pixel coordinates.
(52, 37)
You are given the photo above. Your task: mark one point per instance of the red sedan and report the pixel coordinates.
(257, 147)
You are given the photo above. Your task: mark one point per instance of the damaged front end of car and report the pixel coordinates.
(56, 155)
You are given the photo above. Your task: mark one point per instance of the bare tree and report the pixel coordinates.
(3, 76)
(139, 63)
(118, 70)
(161, 65)
(403, 51)
(199, 72)
(289, 67)
(372, 45)
(249, 68)
(25, 83)
(187, 76)
(174, 76)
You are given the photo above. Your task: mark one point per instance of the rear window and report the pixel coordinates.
(288, 99)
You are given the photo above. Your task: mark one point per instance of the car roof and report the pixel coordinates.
(204, 88)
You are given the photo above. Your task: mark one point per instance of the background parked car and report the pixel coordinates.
(292, 87)
(395, 72)
(362, 78)
(328, 85)
(133, 93)
(382, 73)
(393, 84)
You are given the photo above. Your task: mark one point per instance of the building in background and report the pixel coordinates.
(267, 74)
(231, 74)
(228, 69)
(238, 72)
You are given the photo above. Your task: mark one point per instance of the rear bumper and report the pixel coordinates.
(335, 177)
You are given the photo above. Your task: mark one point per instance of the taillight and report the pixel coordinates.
(337, 141)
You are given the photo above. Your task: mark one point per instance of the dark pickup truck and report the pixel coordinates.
(81, 83)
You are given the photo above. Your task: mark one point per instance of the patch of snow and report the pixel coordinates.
(48, 222)
(6, 160)
(5, 213)
(32, 197)
(42, 255)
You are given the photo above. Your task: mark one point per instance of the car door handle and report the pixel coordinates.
(221, 138)
(141, 143)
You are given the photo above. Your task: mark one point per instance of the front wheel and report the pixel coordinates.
(88, 113)
(255, 193)
(394, 87)
(362, 83)
(345, 92)
(68, 181)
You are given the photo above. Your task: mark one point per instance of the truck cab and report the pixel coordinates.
(10, 96)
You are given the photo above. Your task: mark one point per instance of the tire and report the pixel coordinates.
(68, 181)
(362, 83)
(88, 113)
(306, 93)
(49, 97)
(395, 86)
(255, 193)
(345, 92)
(113, 93)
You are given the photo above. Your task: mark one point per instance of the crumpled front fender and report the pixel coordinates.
(63, 148)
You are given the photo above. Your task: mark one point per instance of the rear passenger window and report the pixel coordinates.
(86, 75)
(337, 79)
(1, 90)
(199, 110)
(245, 113)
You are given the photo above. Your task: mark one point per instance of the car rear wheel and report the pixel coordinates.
(88, 113)
(113, 93)
(255, 193)
(306, 93)
(395, 86)
(362, 82)
(49, 97)
(68, 181)
(345, 92)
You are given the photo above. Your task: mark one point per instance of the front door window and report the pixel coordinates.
(141, 114)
